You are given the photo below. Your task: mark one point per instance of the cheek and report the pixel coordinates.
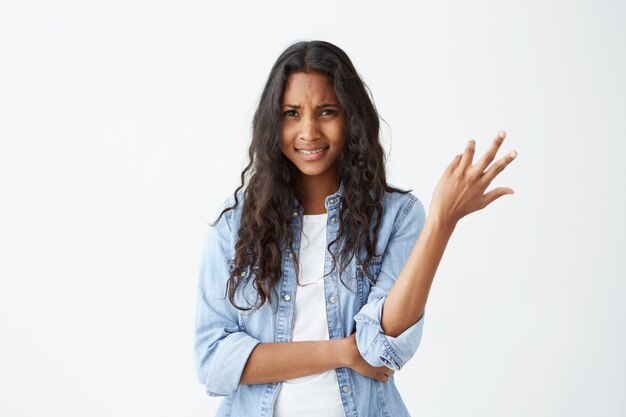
(285, 150)
(286, 147)
(339, 146)
(340, 130)
(287, 134)
(339, 137)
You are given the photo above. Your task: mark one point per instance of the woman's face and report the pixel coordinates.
(312, 136)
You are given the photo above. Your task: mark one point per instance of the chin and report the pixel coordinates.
(311, 171)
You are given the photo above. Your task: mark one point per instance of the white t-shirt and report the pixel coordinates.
(313, 395)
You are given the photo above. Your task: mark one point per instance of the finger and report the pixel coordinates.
(384, 372)
(498, 167)
(495, 194)
(454, 163)
(486, 159)
(468, 155)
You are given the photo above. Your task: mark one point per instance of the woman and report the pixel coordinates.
(314, 278)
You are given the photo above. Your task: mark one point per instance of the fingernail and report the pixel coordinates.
(502, 134)
(513, 154)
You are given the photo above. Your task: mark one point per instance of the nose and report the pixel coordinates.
(310, 130)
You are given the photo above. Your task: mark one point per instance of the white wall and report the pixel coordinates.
(124, 123)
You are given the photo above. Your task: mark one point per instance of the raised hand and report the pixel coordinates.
(460, 190)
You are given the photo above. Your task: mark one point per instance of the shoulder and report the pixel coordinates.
(400, 206)
(222, 229)
(228, 202)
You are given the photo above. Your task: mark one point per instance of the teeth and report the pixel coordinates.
(311, 152)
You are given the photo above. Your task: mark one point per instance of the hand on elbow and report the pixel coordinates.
(355, 361)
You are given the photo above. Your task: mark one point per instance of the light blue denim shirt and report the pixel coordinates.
(225, 336)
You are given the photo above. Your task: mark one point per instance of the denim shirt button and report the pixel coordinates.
(346, 388)
(294, 214)
(287, 297)
(332, 299)
(243, 273)
(333, 200)
(334, 219)
(290, 255)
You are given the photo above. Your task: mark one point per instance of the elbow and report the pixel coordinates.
(214, 384)
(220, 364)
(393, 329)
(379, 348)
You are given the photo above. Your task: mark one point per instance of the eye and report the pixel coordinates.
(290, 113)
(331, 112)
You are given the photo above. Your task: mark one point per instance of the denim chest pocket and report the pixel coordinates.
(363, 282)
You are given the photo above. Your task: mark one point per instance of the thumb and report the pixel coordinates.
(495, 194)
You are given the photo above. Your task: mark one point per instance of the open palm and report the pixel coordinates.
(461, 189)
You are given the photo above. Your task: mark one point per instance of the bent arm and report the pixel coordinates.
(393, 344)
(406, 301)
(272, 362)
(226, 356)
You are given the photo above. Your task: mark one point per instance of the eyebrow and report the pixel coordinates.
(297, 106)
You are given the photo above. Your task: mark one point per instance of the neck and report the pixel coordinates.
(315, 190)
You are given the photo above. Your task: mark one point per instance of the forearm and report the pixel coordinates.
(272, 362)
(406, 300)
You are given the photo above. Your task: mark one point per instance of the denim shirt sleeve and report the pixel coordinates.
(221, 348)
(377, 348)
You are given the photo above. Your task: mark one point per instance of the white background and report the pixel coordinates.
(123, 124)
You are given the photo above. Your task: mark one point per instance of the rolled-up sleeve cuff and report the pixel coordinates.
(379, 349)
(227, 365)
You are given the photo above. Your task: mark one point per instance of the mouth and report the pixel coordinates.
(312, 154)
(312, 151)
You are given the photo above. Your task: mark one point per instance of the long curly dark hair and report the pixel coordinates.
(272, 187)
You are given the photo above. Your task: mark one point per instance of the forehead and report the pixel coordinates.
(311, 85)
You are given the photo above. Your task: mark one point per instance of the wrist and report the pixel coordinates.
(441, 223)
(346, 351)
